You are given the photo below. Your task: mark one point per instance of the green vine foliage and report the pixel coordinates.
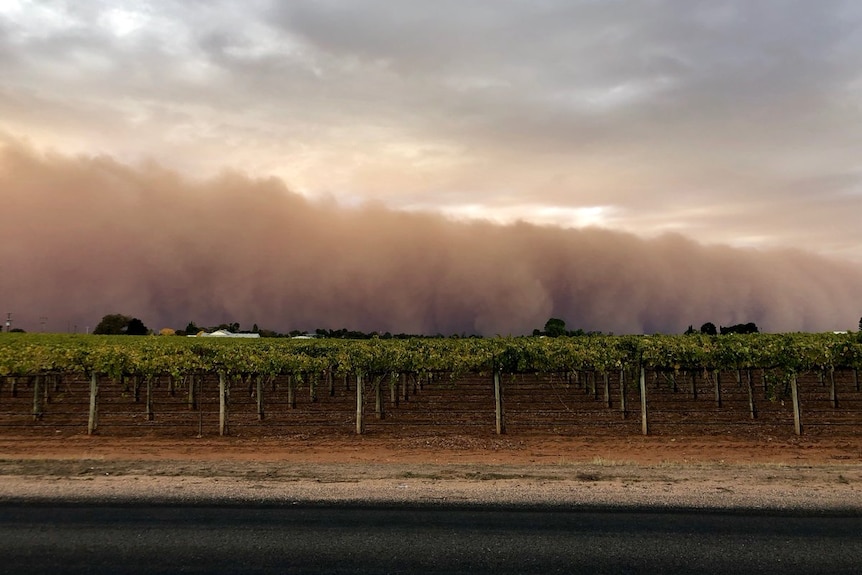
(118, 356)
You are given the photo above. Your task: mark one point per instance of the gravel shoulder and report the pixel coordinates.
(834, 488)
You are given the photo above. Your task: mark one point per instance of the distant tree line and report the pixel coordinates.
(119, 324)
(192, 329)
(709, 329)
(555, 327)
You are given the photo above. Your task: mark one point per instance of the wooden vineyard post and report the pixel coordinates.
(192, 379)
(330, 382)
(37, 397)
(694, 384)
(259, 391)
(360, 427)
(149, 406)
(833, 395)
(856, 378)
(752, 408)
(200, 383)
(623, 408)
(607, 383)
(393, 389)
(498, 402)
(312, 387)
(93, 420)
(223, 391)
(644, 415)
(405, 387)
(717, 376)
(794, 394)
(378, 398)
(291, 392)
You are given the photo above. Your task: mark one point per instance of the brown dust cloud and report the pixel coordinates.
(81, 237)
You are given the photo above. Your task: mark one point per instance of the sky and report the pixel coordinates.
(660, 126)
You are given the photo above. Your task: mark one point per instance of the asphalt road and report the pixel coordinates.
(137, 538)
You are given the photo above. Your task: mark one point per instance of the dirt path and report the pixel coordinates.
(797, 473)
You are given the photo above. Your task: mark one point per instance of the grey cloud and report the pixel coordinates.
(661, 109)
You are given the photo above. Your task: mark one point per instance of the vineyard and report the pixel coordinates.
(760, 384)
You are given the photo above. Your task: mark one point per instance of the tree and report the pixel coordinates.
(136, 327)
(739, 328)
(708, 329)
(113, 324)
(119, 324)
(555, 327)
(192, 329)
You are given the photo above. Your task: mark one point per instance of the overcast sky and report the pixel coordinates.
(736, 122)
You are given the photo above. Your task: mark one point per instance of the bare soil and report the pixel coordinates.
(805, 474)
(565, 445)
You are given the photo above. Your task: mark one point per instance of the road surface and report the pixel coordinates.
(46, 537)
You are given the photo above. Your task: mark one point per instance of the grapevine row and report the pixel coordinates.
(118, 356)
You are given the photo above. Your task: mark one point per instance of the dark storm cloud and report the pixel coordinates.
(732, 122)
(87, 236)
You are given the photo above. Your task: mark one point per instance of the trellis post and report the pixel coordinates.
(717, 376)
(259, 391)
(644, 415)
(37, 397)
(93, 420)
(623, 407)
(752, 408)
(149, 406)
(359, 404)
(498, 402)
(223, 391)
(794, 394)
(291, 392)
(833, 395)
(378, 398)
(607, 384)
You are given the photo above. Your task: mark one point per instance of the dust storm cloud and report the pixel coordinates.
(86, 236)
